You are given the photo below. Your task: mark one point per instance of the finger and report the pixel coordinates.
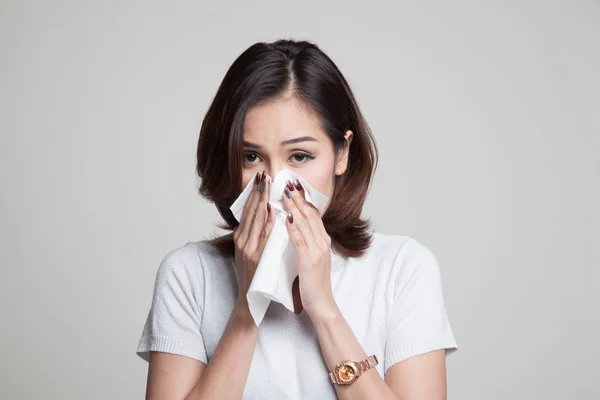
(257, 233)
(248, 213)
(321, 225)
(299, 239)
(309, 212)
(300, 232)
(268, 227)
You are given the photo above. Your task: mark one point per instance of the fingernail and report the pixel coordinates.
(298, 184)
(268, 208)
(263, 175)
(290, 218)
(257, 179)
(289, 185)
(263, 184)
(286, 191)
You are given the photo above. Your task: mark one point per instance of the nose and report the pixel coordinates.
(273, 170)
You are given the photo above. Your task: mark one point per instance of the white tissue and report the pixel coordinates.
(277, 267)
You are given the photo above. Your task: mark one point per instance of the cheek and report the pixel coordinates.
(321, 179)
(320, 174)
(247, 176)
(320, 182)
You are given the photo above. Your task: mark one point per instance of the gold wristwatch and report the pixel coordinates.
(348, 371)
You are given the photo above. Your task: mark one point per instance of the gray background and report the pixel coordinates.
(486, 114)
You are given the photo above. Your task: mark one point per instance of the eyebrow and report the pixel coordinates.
(284, 143)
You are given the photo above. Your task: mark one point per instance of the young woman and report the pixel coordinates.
(369, 321)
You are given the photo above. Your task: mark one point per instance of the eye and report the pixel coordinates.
(251, 157)
(302, 158)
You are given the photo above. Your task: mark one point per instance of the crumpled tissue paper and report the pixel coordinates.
(277, 268)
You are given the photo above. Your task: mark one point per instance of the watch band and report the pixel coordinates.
(348, 371)
(370, 362)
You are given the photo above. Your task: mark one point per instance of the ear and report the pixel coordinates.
(341, 163)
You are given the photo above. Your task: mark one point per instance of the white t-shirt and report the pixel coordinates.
(391, 297)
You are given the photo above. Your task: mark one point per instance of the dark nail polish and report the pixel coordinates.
(298, 184)
(263, 184)
(264, 175)
(286, 191)
(289, 185)
(268, 208)
(290, 218)
(257, 178)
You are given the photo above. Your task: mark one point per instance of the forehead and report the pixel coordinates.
(282, 118)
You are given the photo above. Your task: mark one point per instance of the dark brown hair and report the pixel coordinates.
(265, 72)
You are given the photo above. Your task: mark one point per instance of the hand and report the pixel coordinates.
(313, 251)
(251, 235)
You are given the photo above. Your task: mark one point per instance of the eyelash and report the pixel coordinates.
(306, 155)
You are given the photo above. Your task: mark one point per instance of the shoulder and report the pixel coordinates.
(399, 248)
(189, 260)
(404, 258)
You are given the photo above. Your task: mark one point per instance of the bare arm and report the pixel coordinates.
(419, 312)
(171, 376)
(226, 374)
(177, 377)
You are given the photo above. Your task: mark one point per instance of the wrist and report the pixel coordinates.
(242, 315)
(327, 313)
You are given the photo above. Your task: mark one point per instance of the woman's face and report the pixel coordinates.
(284, 134)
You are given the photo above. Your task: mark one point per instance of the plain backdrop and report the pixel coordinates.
(487, 117)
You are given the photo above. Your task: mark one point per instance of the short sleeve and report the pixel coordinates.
(174, 319)
(418, 322)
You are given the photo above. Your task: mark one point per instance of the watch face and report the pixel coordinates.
(346, 373)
